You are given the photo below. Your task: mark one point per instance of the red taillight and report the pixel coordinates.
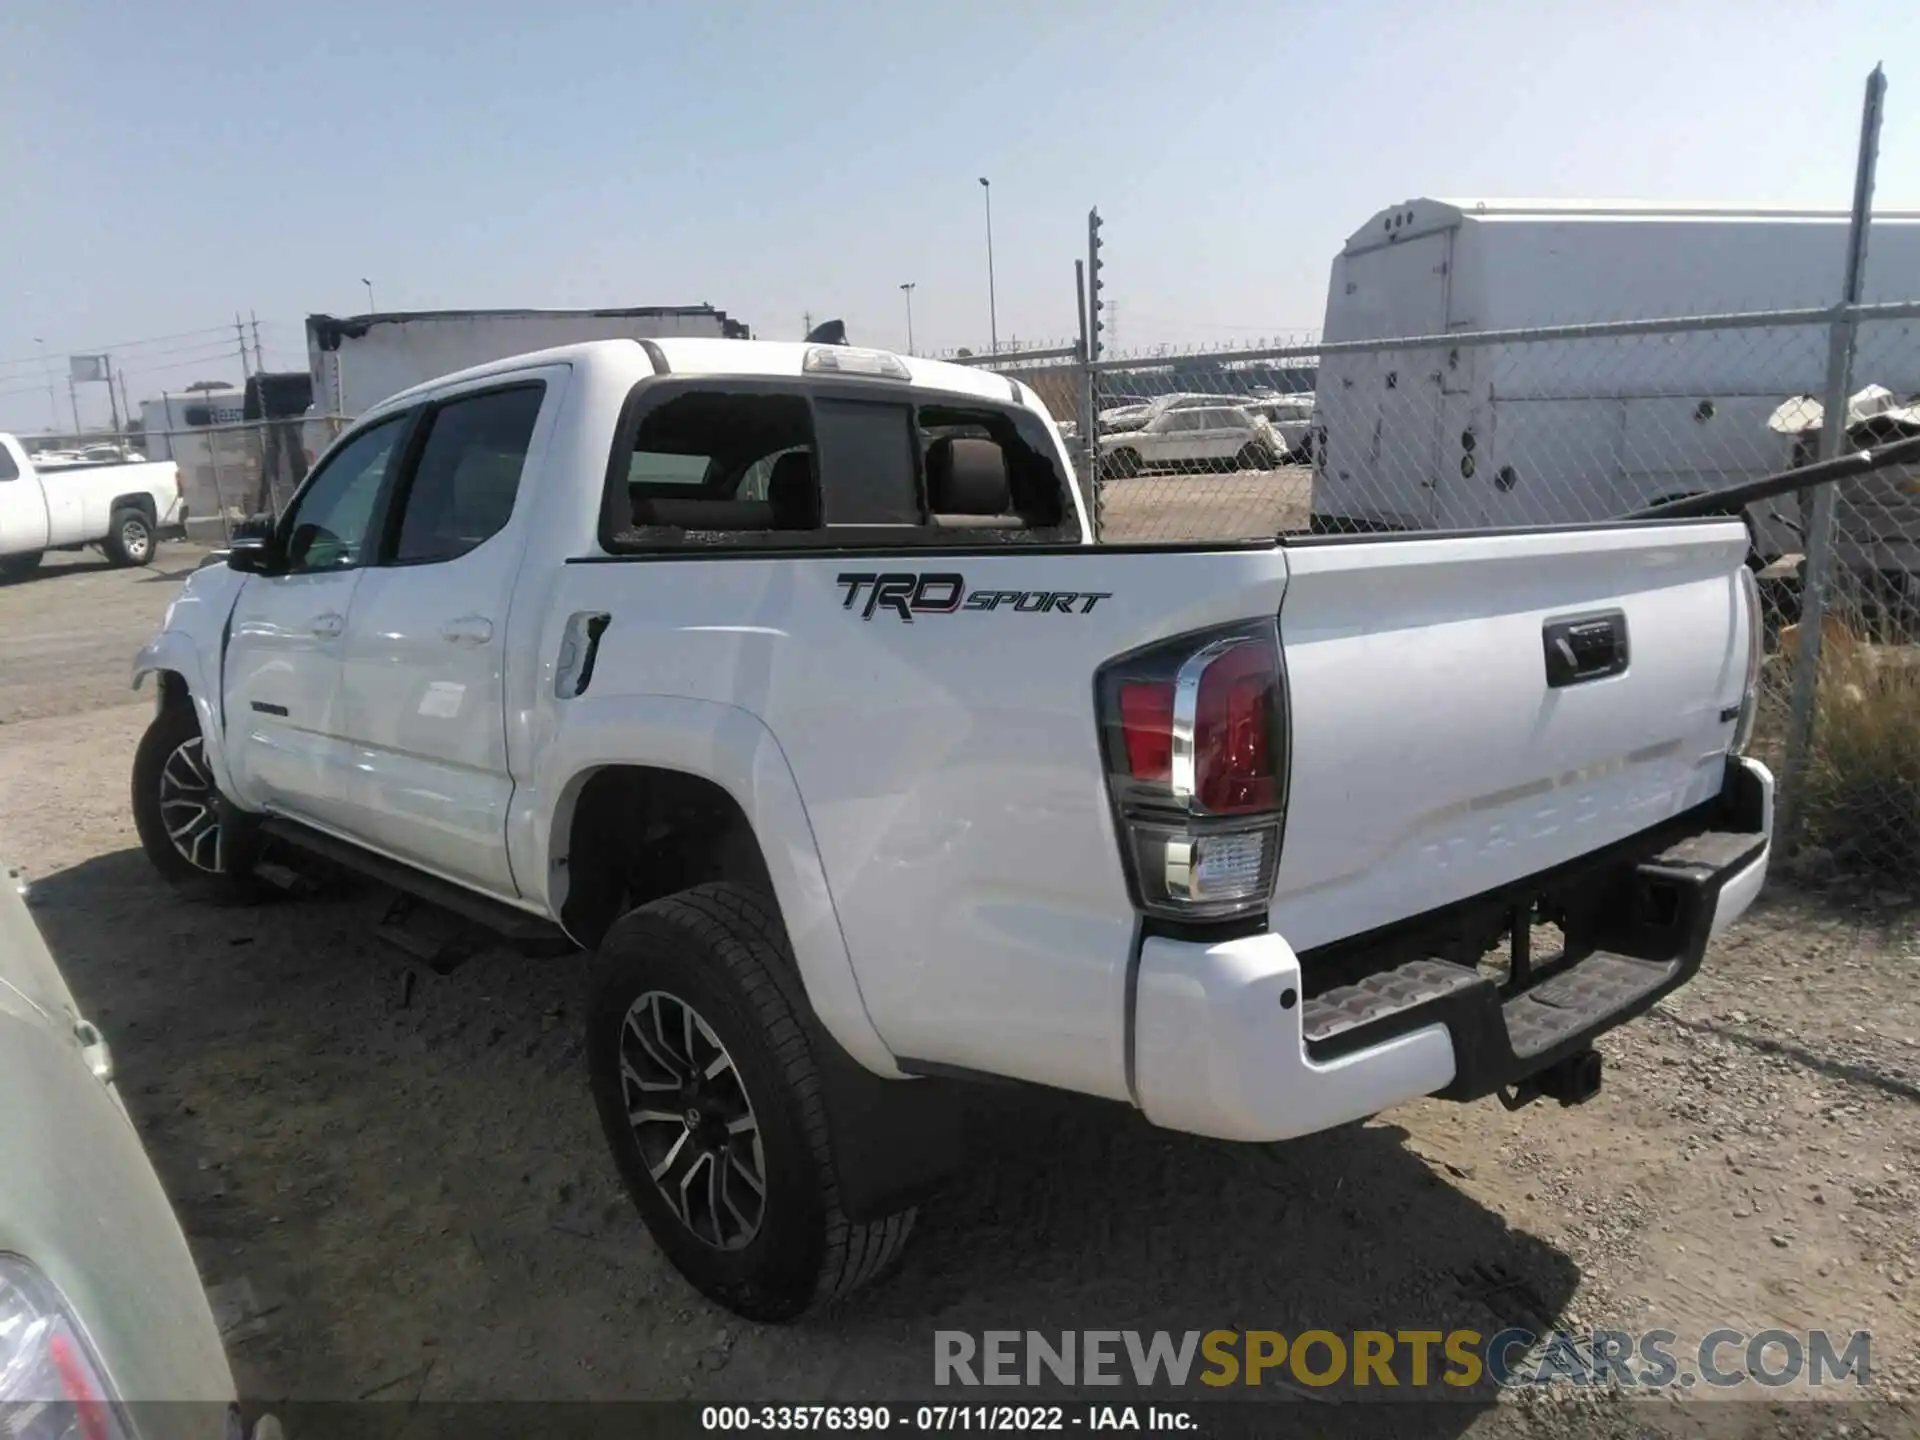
(1146, 725)
(1233, 770)
(1196, 759)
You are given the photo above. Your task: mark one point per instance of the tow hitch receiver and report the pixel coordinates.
(1572, 1081)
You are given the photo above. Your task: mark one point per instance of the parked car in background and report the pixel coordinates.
(91, 455)
(105, 1330)
(1125, 417)
(1292, 417)
(126, 509)
(1210, 437)
(1133, 417)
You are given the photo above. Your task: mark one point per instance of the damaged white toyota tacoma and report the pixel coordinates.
(788, 679)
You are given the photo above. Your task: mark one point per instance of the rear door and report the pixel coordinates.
(423, 707)
(282, 678)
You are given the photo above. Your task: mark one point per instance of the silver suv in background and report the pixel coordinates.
(1210, 437)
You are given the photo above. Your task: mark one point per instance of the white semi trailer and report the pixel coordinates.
(360, 360)
(1444, 437)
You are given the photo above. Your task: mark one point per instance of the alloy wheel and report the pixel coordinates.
(190, 808)
(692, 1120)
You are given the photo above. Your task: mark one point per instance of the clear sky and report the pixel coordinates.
(169, 164)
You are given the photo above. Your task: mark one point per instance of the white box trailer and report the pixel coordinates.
(1551, 432)
(358, 361)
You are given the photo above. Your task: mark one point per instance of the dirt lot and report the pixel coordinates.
(408, 1199)
(1241, 504)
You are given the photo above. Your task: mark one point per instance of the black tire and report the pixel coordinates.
(130, 538)
(14, 566)
(169, 776)
(1123, 464)
(1253, 457)
(713, 951)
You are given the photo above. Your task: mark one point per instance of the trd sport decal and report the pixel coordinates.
(908, 595)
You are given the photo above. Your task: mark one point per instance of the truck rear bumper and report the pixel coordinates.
(1244, 1040)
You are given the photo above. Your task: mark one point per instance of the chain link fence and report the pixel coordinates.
(1568, 425)
(229, 472)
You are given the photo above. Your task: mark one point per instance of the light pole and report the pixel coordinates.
(53, 403)
(907, 290)
(371, 307)
(993, 313)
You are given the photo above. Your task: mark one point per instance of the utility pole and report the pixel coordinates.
(46, 373)
(259, 360)
(907, 290)
(993, 309)
(73, 398)
(240, 333)
(126, 404)
(371, 307)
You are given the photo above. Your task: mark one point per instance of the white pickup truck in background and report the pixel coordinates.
(124, 508)
(788, 679)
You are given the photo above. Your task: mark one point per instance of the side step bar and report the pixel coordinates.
(504, 920)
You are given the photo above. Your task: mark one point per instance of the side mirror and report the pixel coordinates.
(251, 555)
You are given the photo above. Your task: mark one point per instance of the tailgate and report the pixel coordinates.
(1433, 758)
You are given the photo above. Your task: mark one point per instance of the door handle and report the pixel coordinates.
(1587, 648)
(468, 630)
(328, 626)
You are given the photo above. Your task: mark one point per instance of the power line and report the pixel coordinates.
(204, 360)
(121, 345)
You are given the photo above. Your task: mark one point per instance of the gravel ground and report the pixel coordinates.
(396, 1189)
(1241, 504)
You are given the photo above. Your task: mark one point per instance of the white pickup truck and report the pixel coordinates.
(788, 679)
(125, 509)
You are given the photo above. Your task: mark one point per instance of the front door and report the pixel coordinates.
(425, 657)
(282, 672)
(1222, 435)
(23, 513)
(1180, 438)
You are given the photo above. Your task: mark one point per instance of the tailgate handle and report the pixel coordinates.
(1584, 647)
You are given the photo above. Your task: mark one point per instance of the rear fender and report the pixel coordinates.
(733, 749)
(140, 500)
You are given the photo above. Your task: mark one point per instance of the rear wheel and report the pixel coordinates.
(1123, 464)
(12, 566)
(129, 537)
(1252, 457)
(190, 832)
(711, 1101)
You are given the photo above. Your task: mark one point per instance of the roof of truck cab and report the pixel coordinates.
(1425, 214)
(687, 356)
